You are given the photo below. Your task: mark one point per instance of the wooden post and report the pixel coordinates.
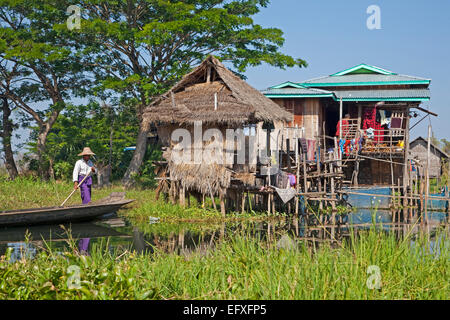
(273, 202)
(406, 167)
(359, 117)
(212, 196)
(421, 197)
(427, 185)
(297, 163)
(340, 119)
(411, 189)
(324, 140)
(333, 195)
(222, 203)
(182, 196)
(319, 184)
(297, 187)
(288, 148)
(188, 197)
(305, 181)
(358, 159)
(358, 128)
(448, 190)
(392, 165)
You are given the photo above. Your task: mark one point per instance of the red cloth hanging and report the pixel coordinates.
(345, 127)
(370, 116)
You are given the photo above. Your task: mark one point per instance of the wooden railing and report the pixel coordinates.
(384, 141)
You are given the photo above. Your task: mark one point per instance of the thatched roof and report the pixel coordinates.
(194, 99)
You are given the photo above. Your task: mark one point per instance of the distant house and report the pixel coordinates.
(418, 149)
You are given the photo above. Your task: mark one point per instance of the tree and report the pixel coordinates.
(445, 145)
(6, 130)
(145, 46)
(8, 75)
(94, 125)
(49, 60)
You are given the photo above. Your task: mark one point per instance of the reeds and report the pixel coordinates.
(242, 268)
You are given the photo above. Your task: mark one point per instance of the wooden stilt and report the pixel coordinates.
(297, 163)
(427, 174)
(222, 203)
(273, 203)
(182, 196)
(212, 197)
(188, 197)
(319, 180)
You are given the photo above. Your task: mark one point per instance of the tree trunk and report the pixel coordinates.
(40, 145)
(6, 137)
(51, 171)
(138, 156)
(103, 175)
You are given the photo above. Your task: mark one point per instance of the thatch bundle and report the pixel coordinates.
(204, 178)
(247, 178)
(213, 94)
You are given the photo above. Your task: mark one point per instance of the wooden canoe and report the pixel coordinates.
(54, 215)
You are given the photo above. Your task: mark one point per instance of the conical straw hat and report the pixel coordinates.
(86, 152)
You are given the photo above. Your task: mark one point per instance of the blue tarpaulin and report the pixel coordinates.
(129, 148)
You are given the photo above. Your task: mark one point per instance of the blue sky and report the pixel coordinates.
(331, 36)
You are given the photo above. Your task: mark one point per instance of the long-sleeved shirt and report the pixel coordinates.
(82, 168)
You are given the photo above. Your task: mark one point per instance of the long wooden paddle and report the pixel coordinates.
(73, 191)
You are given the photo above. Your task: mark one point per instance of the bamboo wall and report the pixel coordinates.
(419, 150)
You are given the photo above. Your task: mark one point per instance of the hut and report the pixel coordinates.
(199, 122)
(419, 151)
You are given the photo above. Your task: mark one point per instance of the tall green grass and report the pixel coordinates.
(240, 268)
(31, 192)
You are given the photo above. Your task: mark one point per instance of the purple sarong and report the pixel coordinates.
(85, 189)
(83, 245)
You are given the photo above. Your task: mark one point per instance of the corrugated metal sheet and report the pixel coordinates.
(296, 91)
(363, 78)
(407, 94)
(383, 94)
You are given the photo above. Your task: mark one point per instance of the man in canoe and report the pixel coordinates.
(82, 168)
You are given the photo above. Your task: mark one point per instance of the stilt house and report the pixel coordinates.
(374, 137)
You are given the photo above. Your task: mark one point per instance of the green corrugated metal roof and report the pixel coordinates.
(351, 95)
(300, 92)
(364, 75)
(364, 80)
(363, 68)
(380, 95)
(360, 75)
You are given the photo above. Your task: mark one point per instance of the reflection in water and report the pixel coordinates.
(21, 250)
(189, 239)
